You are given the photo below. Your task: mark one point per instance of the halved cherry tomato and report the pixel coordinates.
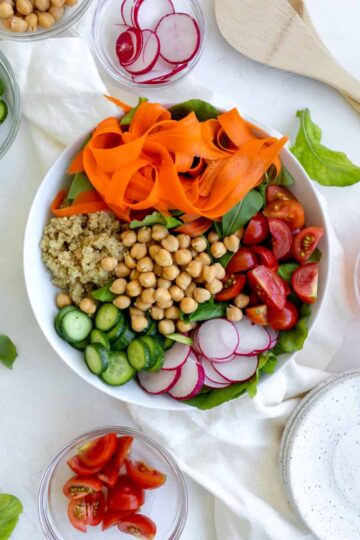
(78, 487)
(283, 319)
(99, 451)
(243, 260)
(80, 469)
(281, 238)
(144, 476)
(253, 298)
(268, 286)
(266, 257)
(95, 508)
(125, 495)
(139, 526)
(257, 314)
(123, 448)
(305, 242)
(290, 211)
(304, 281)
(196, 228)
(109, 473)
(77, 514)
(233, 285)
(278, 193)
(256, 231)
(112, 517)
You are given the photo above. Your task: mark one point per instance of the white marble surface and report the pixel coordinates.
(42, 403)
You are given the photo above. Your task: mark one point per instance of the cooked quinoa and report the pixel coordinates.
(72, 248)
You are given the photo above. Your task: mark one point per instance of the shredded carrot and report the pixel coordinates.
(124, 106)
(78, 208)
(77, 164)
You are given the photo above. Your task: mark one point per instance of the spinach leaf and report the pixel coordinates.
(225, 259)
(205, 311)
(156, 218)
(326, 166)
(218, 228)
(293, 340)
(126, 120)
(286, 270)
(8, 352)
(10, 510)
(242, 212)
(104, 294)
(80, 184)
(180, 338)
(203, 110)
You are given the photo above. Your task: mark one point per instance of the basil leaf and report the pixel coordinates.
(285, 271)
(326, 166)
(206, 310)
(203, 110)
(293, 340)
(156, 218)
(10, 510)
(238, 216)
(104, 294)
(8, 352)
(126, 120)
(80, 184)
(180, 338)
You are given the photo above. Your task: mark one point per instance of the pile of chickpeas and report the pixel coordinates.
(27, 15)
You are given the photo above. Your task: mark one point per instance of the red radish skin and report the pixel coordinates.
(158, 382)
(210, 373)
(148, 13)
(148, 56)
(252, 338)
(128, 46)
(191, 380)
(212, 384)
(240, 369)
(160, 73)
(126, 11)
(273, 335)
(179, 37)
(218, 339)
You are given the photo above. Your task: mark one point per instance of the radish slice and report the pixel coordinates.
(212, 384)
(195, 343)
(126, 11)
(217, 339)
(252, 338)
(148, 13)
(179, 37)
(158, 382)
(148, 56)
(273, 334)
(128, 45)
(191, 379)
(161, 72)
(211, 373)
(176, 356)
(241, 368)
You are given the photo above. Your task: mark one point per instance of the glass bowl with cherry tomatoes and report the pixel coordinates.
(113, 483)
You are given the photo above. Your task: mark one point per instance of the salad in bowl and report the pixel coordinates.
(185, 260)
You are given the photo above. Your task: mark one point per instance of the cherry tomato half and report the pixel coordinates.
(278, 193)
(257, 314)
(78, 487)
(125, 495)
(243, 260)
(95, 508)
(233, 285)
(98, 452)
(109, 473)
(139, 526)
(290, 211)
(266, 257)
(256, 231)
(144, 476)
(123, 448)
(268, 286)
(112, 517)
(281, 238)
(77, 514)
(283, 319)
(305, 242)
(80, 469)
(304, 281)
(196, 228)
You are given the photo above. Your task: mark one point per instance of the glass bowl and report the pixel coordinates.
(167, 506)
(105, 33)
(9, 128)
(71, 15)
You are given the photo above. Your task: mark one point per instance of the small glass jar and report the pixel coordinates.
(10, 127)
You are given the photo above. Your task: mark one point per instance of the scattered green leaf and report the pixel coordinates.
(104, 294)
(180, 338)
(225, 259)
(203, 110)
(315, 256)
(8, 352)
(218, 228)
(286, 270)
(79, 184)
(238, 216)
(2, 87)
(10, 510)
(207, 310)
(126, 120)
(156, 218)
(293, 340)
(285, 178)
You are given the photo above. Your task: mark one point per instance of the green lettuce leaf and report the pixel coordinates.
(242, 212)
(126, 119)
(205, 311)
(8, 352)
(293, 340)
(80, 184)
(203, 110)
(326, 166)
(10, 510)
(156, 218)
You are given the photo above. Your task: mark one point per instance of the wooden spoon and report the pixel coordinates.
(273, 33)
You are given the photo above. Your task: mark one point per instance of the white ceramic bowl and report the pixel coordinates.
(42, 293)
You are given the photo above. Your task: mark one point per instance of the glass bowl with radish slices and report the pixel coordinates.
(148, 43)
(113, 483)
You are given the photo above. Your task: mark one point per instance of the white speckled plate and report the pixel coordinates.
(320, 458)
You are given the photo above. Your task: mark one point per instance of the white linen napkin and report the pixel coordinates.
(231, 450)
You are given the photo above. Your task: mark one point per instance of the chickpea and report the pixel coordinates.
(108, 264)
(139, 304)
(171, 272)
(42, 5)
(24, 7)
(6, 10)
(177, 294)
(214, 286)
(233, 313)
(133, 288)
(159, 232)
(128, 238)
(87, 305)
(134, 274)
(139, 323)
(148, 296)
(17, 24)
(166, 327)
(164, 283)
(183, 257)
(135, 312)
(71, 3)
(145, 265)
(217, 250)
(153, 250)
(232, 243)
(190, 290)
(158, 270)
(201, 295)
(204, 258)
(162, 296)
(208, 274)
(157, 313)
(240, 233)
(144, 235)
(220, 271)
(183, 326)
(121, 270)
(171, 243)
(241, 301)
(58, 3)
(138, 251)
(63, 300)
(194, 268)
(172, 313)
(199, 244)
(163, 258)
(165, 305)
(184, 241)
(129, 261)
(188, 305)
(213, 237)
(183, 280)
(122, 302)
(147, 279)
(57, 12)
(118, 286)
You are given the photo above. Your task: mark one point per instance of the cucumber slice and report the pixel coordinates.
(96, 358)
(3, 111)
(59, 317)
(97, 336)
(80, 345)
(76, 326)
(156, 352)
(119, 371)
(139, 355)
(118, 329)
(168, 344)
(151, 329)
(125, 339)
(107, 317)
